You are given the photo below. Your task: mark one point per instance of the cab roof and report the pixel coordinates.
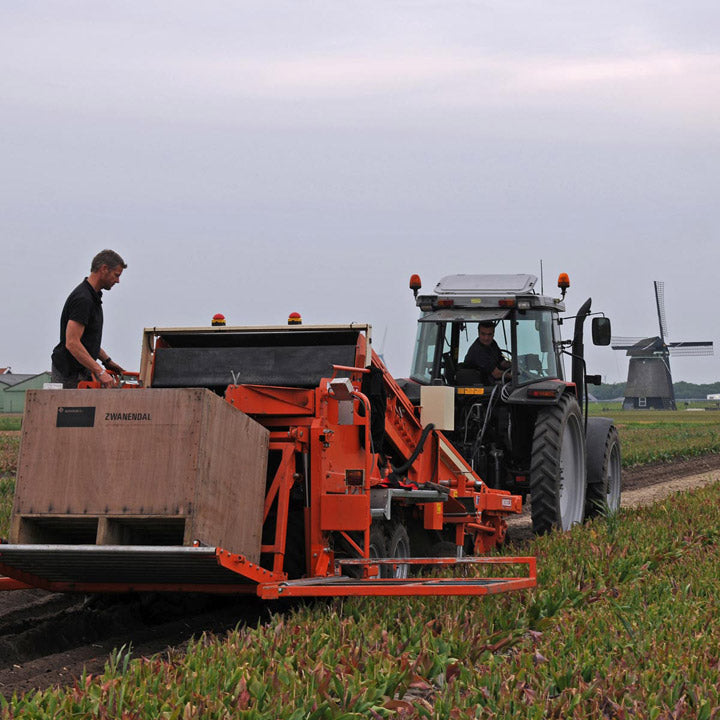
(483, 293)
(486, 285)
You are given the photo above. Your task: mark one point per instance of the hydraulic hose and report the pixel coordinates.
(418, 449)
(480, 437)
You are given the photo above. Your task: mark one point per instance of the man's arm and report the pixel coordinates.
(73, 335)
(502, 364)
(109, 363)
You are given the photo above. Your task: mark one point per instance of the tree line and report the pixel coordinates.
(683, 390)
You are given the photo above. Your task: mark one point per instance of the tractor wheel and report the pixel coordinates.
(557, 467)
(398, 546)
(604, 472)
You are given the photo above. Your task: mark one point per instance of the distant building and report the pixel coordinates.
(13, 387)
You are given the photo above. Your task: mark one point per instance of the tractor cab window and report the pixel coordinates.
(441, 346)
(425, 347)
(535, 347)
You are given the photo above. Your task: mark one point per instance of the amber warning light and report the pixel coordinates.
(563, 282)
(415, 284)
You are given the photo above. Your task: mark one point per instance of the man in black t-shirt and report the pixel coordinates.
(75, 357)
(485, 355)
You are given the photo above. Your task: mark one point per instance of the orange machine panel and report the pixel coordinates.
(345, 512)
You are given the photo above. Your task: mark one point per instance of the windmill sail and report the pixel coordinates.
(679, 349)
(660, 303)
(620, 342)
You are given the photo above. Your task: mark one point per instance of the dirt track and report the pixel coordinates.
(47, 639)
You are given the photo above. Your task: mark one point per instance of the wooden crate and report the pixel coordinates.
(140, 467)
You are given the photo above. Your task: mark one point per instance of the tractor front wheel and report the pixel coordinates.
(558, 467)
(604, 473)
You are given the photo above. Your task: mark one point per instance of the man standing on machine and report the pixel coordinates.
(75, 357)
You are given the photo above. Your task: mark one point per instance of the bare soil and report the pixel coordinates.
(48, 639)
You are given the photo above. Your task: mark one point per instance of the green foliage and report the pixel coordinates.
(10, 422)
(624, 623)
(607, 391)
(7, 490)
(9, 448)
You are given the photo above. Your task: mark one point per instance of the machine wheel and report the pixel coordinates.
(557, 468)
(378, 546)
(398, 546)
(604, 472)
(378, 549)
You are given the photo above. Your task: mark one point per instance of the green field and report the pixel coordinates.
(10, 422)
(624, 623)
(650, 436)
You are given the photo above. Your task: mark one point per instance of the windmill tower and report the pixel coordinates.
(649, 382)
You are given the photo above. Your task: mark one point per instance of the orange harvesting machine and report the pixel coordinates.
(275, 461)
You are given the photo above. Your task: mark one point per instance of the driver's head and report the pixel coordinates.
(486, 332)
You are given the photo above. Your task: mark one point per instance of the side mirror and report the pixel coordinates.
(601, 331)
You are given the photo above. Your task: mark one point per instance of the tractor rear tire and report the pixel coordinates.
(604, 472)
(398, 546)
(558, 467)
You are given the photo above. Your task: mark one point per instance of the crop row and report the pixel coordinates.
(642, 444)
(624, 622)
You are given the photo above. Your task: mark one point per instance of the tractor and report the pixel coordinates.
(525, 429)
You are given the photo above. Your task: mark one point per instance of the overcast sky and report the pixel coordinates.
(257, 158)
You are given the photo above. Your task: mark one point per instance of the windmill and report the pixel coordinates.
(649, 381)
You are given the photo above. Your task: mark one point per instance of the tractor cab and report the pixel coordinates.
(527, 340)
(463, 307)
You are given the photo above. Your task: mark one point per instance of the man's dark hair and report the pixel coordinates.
(486, 324)
(106, 257)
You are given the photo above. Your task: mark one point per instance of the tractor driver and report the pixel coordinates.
(485, 355)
